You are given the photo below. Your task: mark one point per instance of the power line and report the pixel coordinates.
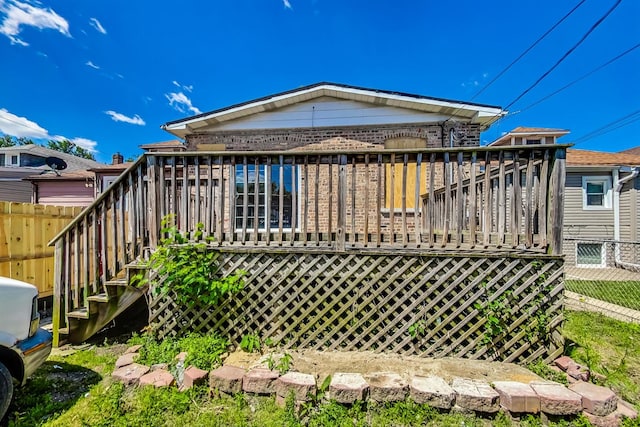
(609, 127)
(567, 53)
(553, 27)
(527, 50)
(579, 78)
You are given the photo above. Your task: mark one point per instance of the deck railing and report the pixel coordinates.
(511, 198)
(404, 199)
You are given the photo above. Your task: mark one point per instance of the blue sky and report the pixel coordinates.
(107, 74)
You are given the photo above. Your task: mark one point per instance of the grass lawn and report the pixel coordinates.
(76, 390)
(606, 346)
(626, 294)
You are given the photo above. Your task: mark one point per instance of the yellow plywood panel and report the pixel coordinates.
(410, 186)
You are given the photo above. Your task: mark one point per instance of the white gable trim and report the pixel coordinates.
(484, 115)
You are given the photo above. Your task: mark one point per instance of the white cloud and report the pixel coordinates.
(92, 65)
(118, 117)
(18, 14)
(97, 25)
(21, 127)
(181, 102)
(183, 87)
(287, 5)
(85, 143)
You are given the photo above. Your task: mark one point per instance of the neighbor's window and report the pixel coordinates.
(589, 255)
(14, 161)
(258, 212)
(596, 192)
(404, 143)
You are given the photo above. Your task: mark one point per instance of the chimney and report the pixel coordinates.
(117, 159)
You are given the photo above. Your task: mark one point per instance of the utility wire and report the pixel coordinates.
(527, 50)
(567, 53)
(578, 79)
(609, 127)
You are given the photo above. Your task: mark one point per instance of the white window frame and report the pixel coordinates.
(608, 192)
(9, 160)
(298, 203)
(602, 255)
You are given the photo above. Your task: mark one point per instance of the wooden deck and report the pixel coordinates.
(481, 202)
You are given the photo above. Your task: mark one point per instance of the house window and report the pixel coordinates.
(258, 212)
(533, 142)
(398, 167)
(13, 160)
(596, 192)
(590, 255)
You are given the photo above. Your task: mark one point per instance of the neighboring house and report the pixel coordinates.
(75, 187)
(21, 161)
(165, 146)
(602, 198)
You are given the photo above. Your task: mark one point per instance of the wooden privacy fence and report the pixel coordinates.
(25, 232)
(369, 300)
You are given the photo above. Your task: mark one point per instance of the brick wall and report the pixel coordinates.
(265, 140)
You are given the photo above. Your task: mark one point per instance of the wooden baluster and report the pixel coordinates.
(353, 200)
(305, 208)
(502, 212)
(316, 200)
(379, 202)
(209, 198)
(197, 208)
(530, 204)
(417, 222)
(542, 199)
(366, 200)
(392, 198)
(447, 199)
(431, 200)
(220, 213)
(256, 200)
(556, 202)
(473, 200)
(403, 215)
(342, 202)
(133, 215)
(516, 201)
(233, 174)
(460, 212)
(267, 200)
(245, 198)
(280, 199)
(184, 211)
(487, 201)
(330, 235)
(294, 201)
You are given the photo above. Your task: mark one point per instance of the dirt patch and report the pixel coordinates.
(323, 363)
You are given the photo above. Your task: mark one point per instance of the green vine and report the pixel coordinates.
(189, 269)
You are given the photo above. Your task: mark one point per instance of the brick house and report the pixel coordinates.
(330, 117)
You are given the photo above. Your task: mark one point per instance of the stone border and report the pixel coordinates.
(599, 404)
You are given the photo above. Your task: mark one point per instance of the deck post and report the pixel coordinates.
(57, 291)
(152, 168)
(556, 202)
(342, 202)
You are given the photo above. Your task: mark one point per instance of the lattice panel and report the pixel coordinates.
(366, 301)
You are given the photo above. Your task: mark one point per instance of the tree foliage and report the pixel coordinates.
(64, 146)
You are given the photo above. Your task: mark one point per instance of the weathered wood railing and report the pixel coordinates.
(107, 235)
(337, 201)
(507, 198)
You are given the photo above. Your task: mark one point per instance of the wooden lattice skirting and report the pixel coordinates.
(364, 300)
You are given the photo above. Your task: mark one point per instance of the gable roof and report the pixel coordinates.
(599, 158)
(482, 114)
(634, 151)
(73, 162)
(528, 131)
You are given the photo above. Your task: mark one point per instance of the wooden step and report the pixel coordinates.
(63, 331)
(99, 298)
(117, 282)
(81, 313)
